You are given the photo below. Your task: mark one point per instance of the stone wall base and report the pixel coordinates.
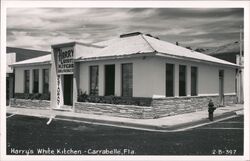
(128, 111)
(33, 104)
(179, 105)
(160, 107)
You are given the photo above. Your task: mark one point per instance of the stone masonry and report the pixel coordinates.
(27, 103)
(160, 107)
(129, 111)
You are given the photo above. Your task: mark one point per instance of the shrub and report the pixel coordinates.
(35, 96)
(45, 96)
(83, 97)
(32, 96)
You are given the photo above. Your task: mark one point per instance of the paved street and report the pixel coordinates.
(30, 135)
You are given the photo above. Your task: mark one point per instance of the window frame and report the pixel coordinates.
(26, 81)
(196, 81)
(173, 80)
(44, 85)
(129, 91)
(96, 79)
(35, 82)
(185, 81)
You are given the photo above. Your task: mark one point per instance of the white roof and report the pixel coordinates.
(141, 43)
(172, 49)
(46, 59)
(136, 44)
(122, 46)
(106, 42)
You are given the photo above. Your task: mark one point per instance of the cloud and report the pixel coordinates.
(38, 28)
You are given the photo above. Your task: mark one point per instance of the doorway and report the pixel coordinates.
(68, 90)
(221, 87)
(109, 80)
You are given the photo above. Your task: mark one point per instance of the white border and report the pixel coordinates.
(123, 4)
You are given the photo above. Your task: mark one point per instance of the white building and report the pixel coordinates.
(160, 77)
(15, 55)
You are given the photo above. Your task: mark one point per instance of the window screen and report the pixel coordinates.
(35, 80)
(94, 80)
(182, 80)
(26, 81)
(45, 80)
(127, 80)
(194, 81)
(169, 80)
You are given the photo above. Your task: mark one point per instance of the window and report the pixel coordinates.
(93, 80)
(45, 80)
(194, 81)
(127, 80)
(182, 80)
(221, 87)
(169, 80)
(26, 81)
(35, 80)
(109, 80)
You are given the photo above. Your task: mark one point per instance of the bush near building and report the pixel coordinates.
(33, 96)
(138, 101)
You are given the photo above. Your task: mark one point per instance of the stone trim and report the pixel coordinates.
(28, 103)
(161, 107)
(179, 105)
(128, 111)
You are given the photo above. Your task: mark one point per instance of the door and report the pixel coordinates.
(68, 90)
(109, 80)
(221, 87)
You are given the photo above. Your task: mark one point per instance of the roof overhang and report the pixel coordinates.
(134, 55)
(32, 64)
(69, 44)
(196, 60)
(155, 54)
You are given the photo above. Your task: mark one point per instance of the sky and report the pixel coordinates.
(39, 28)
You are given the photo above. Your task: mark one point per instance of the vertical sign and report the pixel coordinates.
(65, 64)
(58, 91)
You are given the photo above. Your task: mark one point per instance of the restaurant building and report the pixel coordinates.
(134, 75)
(14, 55)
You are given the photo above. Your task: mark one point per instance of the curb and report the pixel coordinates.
(138, 126)
(203, 121)
(174, 128)
(110, 123)
(240, 112)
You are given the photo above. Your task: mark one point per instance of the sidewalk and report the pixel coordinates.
(166, 124)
